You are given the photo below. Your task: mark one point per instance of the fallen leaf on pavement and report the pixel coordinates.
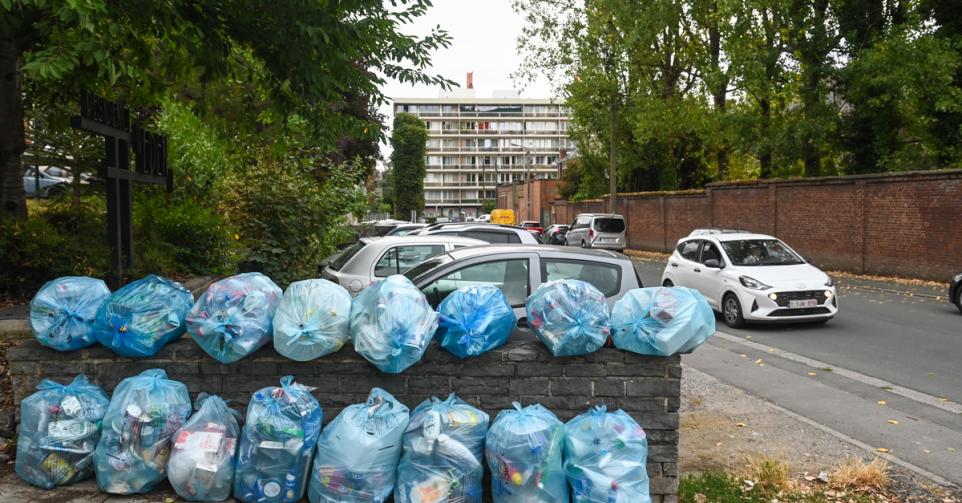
(882, 449)
(881, 402)
(743, 355)
(740, 425)
(893, 421)
(813, 374)
(926, 451)
(950, 449)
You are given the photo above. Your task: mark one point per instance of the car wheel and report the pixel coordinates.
(732, 311)
(958, 298)
(667, 283)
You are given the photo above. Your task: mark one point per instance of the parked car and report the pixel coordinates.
(597, 230)
(50, 185)
(519, 270)
(484, 218)
(534, 227)
(405, 229)
(428, 228)
(955, 291)
(370, 259)
(554, 234)
(751, 277)
(492, 233)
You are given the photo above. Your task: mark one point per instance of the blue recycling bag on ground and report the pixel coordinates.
(276, 445)
(661, 321)
(474, 319)
(605, 458)
(232, 319)
(144, 414)
(62, 312)
(312, 320)
(201, 464)
(59, 430)
(392, 324)
(143, 316)
(570, 317)
(524, 450)
(443, 449)
(358, 452)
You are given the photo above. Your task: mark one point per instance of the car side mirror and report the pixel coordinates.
(713, 263)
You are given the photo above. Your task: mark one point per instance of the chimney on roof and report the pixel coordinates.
(470, 80)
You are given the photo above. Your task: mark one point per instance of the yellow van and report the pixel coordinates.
(505, 217)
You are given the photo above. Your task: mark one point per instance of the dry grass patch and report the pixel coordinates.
(856, 474)
(770, 475)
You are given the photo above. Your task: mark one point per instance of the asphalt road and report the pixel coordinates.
(885, 373)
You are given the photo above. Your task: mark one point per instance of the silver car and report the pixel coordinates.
(597, 230)
(518, 270)
(491, 233)
(373, 258)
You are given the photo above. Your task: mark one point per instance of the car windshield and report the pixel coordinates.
(609, 225)
(427, 265)
(338, 262)
(750, 252)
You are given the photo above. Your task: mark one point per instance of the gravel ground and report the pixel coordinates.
(723, 426)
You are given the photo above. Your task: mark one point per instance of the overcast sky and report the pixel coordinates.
(484, 34)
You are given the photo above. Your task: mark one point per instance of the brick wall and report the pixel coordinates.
(906, 224)
(648, 388)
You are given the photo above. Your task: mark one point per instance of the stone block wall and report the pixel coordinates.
(648, 388)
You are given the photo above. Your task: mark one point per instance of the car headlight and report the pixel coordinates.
(753, 283)
(830, 282)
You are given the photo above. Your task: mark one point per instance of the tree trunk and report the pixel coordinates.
(612, 175)
(13, 201)
(765, 157)
(720, 92)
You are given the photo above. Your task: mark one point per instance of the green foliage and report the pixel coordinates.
(488, 205)
(709, 90)
(408, 139)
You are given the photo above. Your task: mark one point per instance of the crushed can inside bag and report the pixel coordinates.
(59, 430)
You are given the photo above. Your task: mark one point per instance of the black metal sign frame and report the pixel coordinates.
(112, 121)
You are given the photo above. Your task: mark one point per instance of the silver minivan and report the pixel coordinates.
(597, 230)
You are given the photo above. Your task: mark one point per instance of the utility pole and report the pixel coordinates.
(612, 159)
(527, 176)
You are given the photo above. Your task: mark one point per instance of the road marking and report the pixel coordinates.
(918, 396)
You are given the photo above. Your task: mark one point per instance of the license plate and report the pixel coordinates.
(798, 304)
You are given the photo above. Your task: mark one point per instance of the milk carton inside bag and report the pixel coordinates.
(63, 311)
(201, 464)
(59, 430)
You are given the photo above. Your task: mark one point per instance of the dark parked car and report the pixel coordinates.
(518, 270)
(955, 291)
(554, 235)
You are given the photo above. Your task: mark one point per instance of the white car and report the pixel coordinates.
(374, 258)
(751, 277)
(490, 233)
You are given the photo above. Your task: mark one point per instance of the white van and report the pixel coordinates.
(597, 230)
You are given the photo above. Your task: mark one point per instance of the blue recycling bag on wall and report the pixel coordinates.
(201, 464)
(358, 452)
(62, 312)
(570, 317)
(232, 319)
(524, 451)
(59, 430)
(605, 458)
(276, 445)
(143, 316)
(392, 324)
(474, 319)
(443, 449)
(144, 414)
(661, 321)
(312, 320)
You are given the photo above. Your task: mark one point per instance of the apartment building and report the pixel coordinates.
(474, 144)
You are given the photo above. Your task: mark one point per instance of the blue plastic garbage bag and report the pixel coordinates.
(524, 451)
(392, 324)
(62, 312)
(570, 317)
(201, 464)
(276, 445)
(661, 321)
(358, 452)
(605, 458)
(144, 414)
(443, 449)
(59, 429)
(143, 316)
(312, 320)
(232, 319)
(474, 319)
